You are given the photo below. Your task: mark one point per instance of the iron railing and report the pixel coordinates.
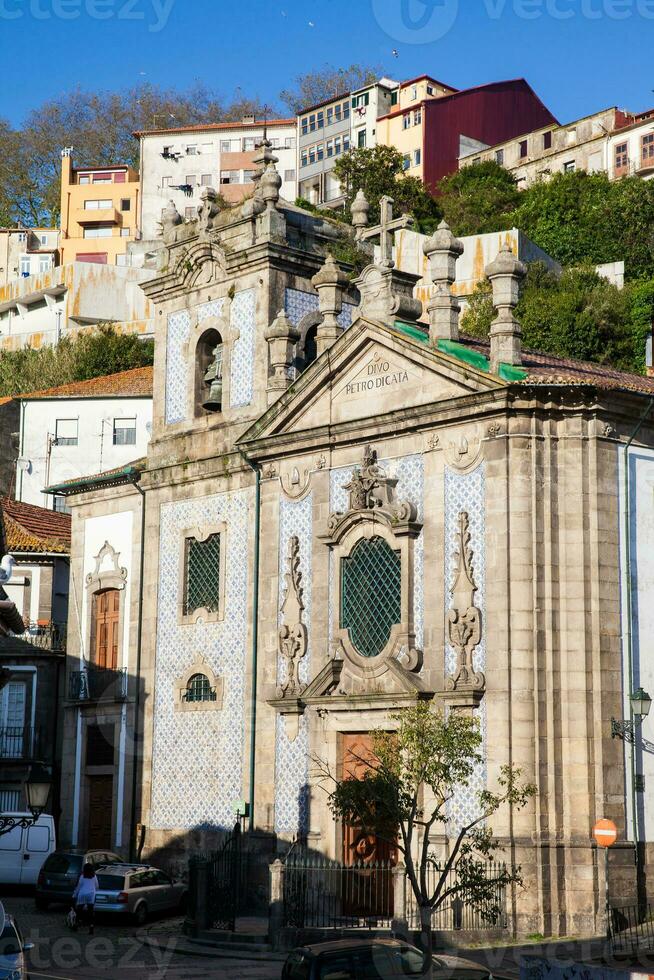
(631, 928)
(19, 742)
(45, 636)
(97, 684)
(460, 912)
(324, 894)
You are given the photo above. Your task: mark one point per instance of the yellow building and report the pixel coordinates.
(403, 126)
(99, 209)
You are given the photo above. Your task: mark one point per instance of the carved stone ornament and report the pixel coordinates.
(464, 454)
(464, 624)
(293, 633)
(369, 489)
(108, 572)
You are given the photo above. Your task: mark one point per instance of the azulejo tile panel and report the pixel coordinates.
(179, 325)
(197, 758)
(409, 471)
(467, 492)
(242, 320)
(214, 308)
(292, 758)
(298, 303)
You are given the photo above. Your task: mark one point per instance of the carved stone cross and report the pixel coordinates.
(384, 230)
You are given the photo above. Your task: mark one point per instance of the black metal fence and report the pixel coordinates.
(218, 884)
(460, 912)
(324, 894)
(631, 928)
(97, 684)
(20, 742)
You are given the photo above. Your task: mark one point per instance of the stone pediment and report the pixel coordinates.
(371, 370)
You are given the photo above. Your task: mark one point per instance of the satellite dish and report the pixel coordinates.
(24, 464)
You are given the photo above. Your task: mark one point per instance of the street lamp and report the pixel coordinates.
(37, 788)
(640, 702)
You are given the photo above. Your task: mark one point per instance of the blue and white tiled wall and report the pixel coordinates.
(298, 303)
(467, 492)
(197, 758)
(292, 757)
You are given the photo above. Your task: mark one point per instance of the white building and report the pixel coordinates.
(79, 429)
(177, 163)
(27, 252)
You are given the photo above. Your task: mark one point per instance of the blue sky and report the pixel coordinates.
(579, 55)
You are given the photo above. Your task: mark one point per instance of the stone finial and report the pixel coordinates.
(270, 185)
(330, 284)
(208, 209)
(442, 251)
(170, 220)
(506, 274)
(360, 209)
(281, 337)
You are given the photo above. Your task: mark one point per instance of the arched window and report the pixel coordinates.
(310, 346)
(198, 688)
(105, 614)
(371, 594)
(209, 373)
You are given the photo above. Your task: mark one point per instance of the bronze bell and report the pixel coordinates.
(214, 378)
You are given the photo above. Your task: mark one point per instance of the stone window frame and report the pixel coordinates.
(199, 666)
(198, 330)
(401, 537)
(202, 533)
(99, 581)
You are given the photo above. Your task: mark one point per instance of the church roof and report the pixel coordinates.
(136, 383)
(27, 528)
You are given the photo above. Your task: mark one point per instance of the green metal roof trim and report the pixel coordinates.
(123, 474)
(508, 372)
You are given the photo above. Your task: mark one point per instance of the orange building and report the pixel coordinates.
(99, 211)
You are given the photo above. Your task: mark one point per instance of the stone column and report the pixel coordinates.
(276, 908)
(505, 273)
(330, 283)
(281, 337)
(399, 924)
(442, 251)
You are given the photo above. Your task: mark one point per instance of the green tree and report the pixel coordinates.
(404, 796)
(379, 172)
(90, 355)
(479, 199)
(326, 83)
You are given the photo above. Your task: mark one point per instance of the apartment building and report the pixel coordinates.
(612, 141)
(331, 128)
(99, 209)
(433, 124)
(27, 251)
(177, 163)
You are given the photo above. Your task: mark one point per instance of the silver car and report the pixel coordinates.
(138, 891)
(12, 952)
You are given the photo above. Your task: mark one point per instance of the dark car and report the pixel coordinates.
(373, 959)
(61, 870)
(138, 891)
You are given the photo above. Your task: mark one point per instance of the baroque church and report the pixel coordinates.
(347, 507)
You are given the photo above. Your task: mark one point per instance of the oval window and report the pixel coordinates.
(371, 595)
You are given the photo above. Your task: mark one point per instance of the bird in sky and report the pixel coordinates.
(395, 53)
(311, 24)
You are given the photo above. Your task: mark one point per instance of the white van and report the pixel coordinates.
(23, 850)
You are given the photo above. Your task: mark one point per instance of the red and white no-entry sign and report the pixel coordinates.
(605, 833)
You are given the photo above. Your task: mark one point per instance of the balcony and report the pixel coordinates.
(94, 216)
(43, 636)
(97, 684)
(20, 744)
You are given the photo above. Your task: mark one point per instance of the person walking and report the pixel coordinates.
(84, 896)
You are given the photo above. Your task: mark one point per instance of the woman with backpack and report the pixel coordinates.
(84, 896)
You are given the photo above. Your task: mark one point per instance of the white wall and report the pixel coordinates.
(94, 452)
(116, 529)
(207, 160)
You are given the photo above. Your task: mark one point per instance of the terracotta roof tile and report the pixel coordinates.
(210, 127)
(134, 383)
(35, 529)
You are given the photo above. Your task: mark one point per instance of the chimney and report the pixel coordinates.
(505, 274)
(249, 120)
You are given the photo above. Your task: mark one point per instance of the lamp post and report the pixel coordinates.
(37, 788)
(640, 702)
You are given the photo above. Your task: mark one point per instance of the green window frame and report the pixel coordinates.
(371, 594)
(202, 574)
(198, 688)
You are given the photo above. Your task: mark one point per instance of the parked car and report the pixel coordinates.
(24, 849)
(373, 959)
(12, 952)
(138, 891)
(61, 870)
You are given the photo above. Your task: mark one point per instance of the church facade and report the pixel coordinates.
(342, 512)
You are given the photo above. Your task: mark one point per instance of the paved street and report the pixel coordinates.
(119, 951)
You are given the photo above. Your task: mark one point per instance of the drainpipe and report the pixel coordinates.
(255, 633)
(629, 588)
(137, 698)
